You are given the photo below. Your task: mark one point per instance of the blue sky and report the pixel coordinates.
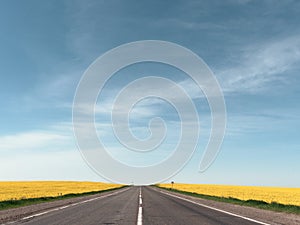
(253, 48)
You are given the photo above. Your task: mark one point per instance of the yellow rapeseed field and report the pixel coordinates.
(34, 189)
(268, 194)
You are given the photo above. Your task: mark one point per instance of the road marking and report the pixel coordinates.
(219, 210)
(65, 206)
(140, 212)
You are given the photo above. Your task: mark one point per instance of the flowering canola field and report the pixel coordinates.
(34, 189)
(289, 196)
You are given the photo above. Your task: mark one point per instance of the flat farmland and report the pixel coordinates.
(17, 190)
(286, 196)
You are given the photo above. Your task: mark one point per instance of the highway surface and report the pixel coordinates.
(135, 206)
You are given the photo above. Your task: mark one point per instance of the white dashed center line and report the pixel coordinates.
(140, 212)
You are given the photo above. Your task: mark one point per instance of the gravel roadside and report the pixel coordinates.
(262, 215)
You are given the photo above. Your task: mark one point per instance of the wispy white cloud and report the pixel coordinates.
(260, 64)
(63, 165)
(190, 25)
(36, 140)
(28, 140)
(262, 121)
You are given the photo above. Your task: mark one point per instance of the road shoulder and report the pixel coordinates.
(266, 216)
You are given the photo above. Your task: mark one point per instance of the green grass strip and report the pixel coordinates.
(274, 206)
(30, 201)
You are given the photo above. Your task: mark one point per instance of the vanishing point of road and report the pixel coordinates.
(137, 206)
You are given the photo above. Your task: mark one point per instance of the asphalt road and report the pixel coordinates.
(160, 208)
(122, 208)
